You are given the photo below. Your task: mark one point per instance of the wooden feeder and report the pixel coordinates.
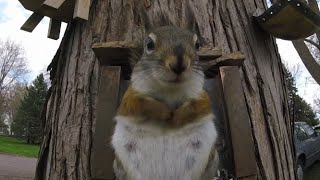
(225, 91)
(58, 11)
(289, 20)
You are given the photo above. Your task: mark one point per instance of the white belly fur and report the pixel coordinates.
(150, 153)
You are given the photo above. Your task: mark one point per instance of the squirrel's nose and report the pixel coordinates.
(178, 68)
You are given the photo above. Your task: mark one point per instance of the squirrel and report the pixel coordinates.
(164, 123)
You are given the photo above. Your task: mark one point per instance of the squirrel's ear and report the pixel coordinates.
(189, 19)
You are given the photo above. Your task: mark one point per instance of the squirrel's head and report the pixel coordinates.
(170, 55)
(169, 59)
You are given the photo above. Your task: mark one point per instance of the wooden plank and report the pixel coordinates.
(81, 9)
(209, 53)
(231, 59)
(239, 123)
(54, 29)
(113, 52)
(102, 153)
(53, 3)
(32, 22)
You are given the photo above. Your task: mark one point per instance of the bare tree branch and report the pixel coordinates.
(12, 63)
(307, 59)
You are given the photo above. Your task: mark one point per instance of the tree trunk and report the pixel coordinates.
(70, 118)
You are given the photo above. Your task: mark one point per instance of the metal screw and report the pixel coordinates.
(298, 4)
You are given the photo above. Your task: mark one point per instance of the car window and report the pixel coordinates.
(308, 130)
(300, 133)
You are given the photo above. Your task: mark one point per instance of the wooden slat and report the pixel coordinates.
(53, 3)
(239, 123)
(32, 22)
(209, 53)
(113, 52)
(54, 29)
(231, 59)
(102, 153)
(81, 9)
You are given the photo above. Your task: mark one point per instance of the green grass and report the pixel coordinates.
(313, 172)
(14, 146)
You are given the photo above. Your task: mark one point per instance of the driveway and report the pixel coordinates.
(16, 167)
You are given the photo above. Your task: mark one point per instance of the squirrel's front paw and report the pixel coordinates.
(157, 110)
(183, 114)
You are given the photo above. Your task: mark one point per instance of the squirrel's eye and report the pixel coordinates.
(150, 44)
(197, 45)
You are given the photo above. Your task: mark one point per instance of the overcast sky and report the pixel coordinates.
(40, 50)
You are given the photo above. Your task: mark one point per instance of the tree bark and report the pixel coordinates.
(308, 60)
(70, 118)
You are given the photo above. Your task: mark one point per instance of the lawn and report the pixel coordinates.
(313, 172)
(10, 145)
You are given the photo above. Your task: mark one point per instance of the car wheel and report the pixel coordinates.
(300, 171)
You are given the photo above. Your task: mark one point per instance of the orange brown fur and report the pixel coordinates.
(138, 105)
(192, 110)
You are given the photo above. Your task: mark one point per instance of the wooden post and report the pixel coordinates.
(102, 153)
(239, 124)
(54, 29)
(81, 9)
(53, 3)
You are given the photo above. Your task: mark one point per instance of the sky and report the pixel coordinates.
(40, 49)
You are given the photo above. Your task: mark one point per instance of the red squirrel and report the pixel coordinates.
(164, 124)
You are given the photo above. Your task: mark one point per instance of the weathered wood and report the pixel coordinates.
(102, 153)
(230, 59)
(53, 3)
(239, 123)
(209, 53)
(32, 22)
(114, 52)
(54, 29)
(81, 9)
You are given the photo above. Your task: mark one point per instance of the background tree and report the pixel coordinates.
(70, 118)
(13, 68)
(300, 110)
(13, 98)
(27, 123)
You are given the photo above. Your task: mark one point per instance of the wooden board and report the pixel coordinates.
(32, 22)
(81, 9)
(54, 29)
(239, 123)
(56, 4)
(102, 153)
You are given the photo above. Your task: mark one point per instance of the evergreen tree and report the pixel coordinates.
(27, 123)
(299, 109)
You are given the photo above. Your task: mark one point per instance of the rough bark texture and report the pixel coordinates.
(70, 117)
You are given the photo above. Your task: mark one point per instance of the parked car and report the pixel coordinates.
(307, 142)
